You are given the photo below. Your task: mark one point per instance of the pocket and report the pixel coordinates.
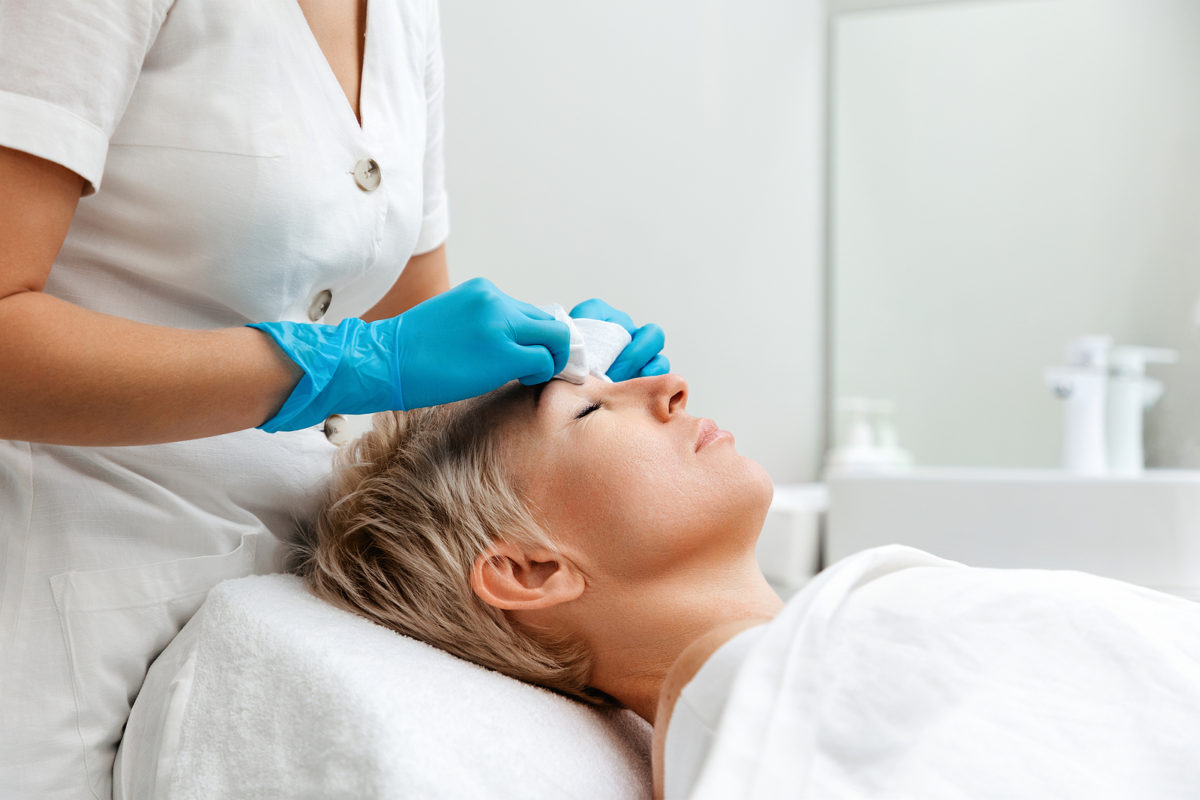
(211, 83)
(115, 623)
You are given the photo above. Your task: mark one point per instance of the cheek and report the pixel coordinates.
(605, 502)
(635, 504)
(618, 484)
(640, 501)
(690, 510)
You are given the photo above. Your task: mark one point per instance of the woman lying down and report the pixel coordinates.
(600, 541)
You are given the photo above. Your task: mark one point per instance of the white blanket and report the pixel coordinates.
(269, 692)
(896, 674)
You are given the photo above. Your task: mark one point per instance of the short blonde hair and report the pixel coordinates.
(412, 504)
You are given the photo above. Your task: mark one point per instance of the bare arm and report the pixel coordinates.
(423, 277)
(73, 376)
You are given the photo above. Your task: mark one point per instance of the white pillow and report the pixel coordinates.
(270, 692)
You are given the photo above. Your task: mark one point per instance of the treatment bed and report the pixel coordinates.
(270, 692)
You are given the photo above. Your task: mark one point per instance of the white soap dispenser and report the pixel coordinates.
(1130, 393)
(1082, 385)
(867, 438)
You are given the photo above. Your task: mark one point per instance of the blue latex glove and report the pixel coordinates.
(463, 343)
(641, 357)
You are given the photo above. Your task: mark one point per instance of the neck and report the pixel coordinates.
(651, 630)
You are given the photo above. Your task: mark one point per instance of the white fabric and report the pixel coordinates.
(269, 692)
(896, 674)
(595, 345)
(222, 147)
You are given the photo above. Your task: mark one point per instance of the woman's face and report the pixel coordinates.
(630, 484)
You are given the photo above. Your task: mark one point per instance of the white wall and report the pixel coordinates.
(664, 156)
(1008, 175)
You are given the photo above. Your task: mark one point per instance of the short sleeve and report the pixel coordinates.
(435, 223)
(67, 70)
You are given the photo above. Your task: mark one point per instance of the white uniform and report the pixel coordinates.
(897, 674)
(235, 185)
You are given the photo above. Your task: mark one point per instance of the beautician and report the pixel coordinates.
(259, 246)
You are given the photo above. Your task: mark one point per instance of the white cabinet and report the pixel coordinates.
(1145, 530)
(789, 547)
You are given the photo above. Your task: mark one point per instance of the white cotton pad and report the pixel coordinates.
(595, 345)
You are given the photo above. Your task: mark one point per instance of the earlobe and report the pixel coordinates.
(510, 577)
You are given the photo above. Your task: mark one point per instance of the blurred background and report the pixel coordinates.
(914, 201)
(665, 156)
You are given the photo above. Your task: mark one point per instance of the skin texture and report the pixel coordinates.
(654, 555)
(340, 28)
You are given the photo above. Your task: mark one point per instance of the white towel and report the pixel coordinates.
(270, 692)
(595, 345)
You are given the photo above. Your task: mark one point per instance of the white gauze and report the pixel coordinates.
(595, 345)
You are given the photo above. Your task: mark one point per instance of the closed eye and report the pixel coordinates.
(591, 407)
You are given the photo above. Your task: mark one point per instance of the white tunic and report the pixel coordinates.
(896, 674)
(224, 152)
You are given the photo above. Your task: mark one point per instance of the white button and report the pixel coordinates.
(320, 305)
(367, 174)
(336, 430)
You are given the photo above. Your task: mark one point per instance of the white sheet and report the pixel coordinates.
(269, 692)
(896, 674)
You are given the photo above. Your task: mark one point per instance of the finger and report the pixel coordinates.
(476, 285)
(659, 365)
(480, 289)
(553, 336)
(592, 309)
(532, 311)
(598, 309)
(535, 365)
(647, 341)
(493, 295)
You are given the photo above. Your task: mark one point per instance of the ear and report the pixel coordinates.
(514, 577)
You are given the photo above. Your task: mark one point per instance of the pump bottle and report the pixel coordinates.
(1082, 385)
(1130, 393)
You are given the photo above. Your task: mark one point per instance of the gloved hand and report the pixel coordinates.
(641, 357)
(459, 344)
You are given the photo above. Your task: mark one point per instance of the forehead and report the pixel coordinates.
(512, 402)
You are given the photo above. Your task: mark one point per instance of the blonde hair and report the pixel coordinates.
(412, 504)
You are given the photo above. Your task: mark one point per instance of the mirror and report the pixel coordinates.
(1005, 176)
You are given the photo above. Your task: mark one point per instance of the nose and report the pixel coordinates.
(668, 395)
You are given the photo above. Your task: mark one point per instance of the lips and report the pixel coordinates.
(708, 432)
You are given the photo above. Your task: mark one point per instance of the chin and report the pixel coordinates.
(763, 490)
(754, 495)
